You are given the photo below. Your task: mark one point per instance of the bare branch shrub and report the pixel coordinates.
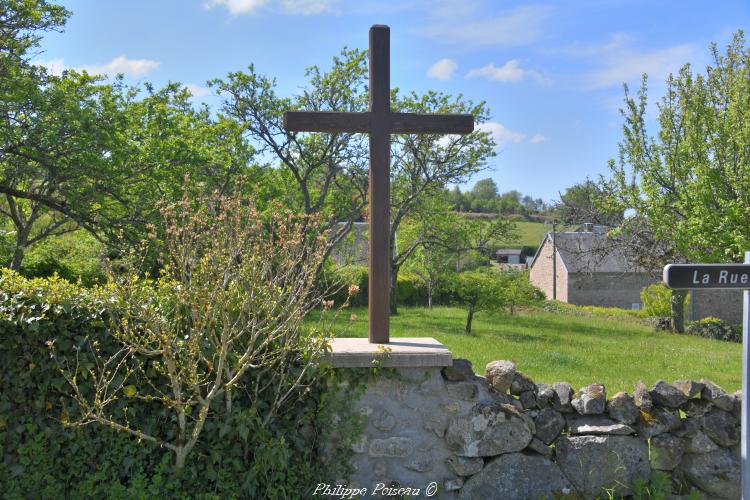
(225, 315)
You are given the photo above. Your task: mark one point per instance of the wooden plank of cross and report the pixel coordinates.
(380, 123)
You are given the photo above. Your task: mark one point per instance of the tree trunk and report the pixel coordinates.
(180, 455)
(394, 284)
(429, 293)
(469, 317)
(678, 310)
(22, 241)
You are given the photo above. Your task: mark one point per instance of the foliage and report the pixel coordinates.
(687, 188)
(319, 173)
(236, 456)
(484, 197)
(715, 328)
(690, 183)
(657, 300)
(224, 316)
(337, 280)
(519, 291)
(76, 152)
(411, 290)
(558, 307)
(481, 289)
(584, 203)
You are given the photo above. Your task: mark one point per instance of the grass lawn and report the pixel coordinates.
(532, 233)
(552, 347)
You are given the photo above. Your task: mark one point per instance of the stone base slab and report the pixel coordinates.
(406, 352)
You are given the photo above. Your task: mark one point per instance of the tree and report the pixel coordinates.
(79, 153)
(485, 189)
(688, 187)
(423, 165)
(478, 290)
(582, 203)
(325, 173)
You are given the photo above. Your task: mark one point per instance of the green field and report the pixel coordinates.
(551, 347)
(530, 234)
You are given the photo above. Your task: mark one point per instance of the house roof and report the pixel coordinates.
(589, 252)
(509, 251)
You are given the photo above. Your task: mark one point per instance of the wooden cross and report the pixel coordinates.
(380, 123)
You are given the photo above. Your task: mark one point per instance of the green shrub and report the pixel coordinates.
(411, 289)
(715, 328)
(337, 281)
(657, 300)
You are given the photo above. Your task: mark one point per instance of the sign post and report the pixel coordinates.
(725, 276)
(745, 391)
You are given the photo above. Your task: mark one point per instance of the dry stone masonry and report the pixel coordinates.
(505, 436)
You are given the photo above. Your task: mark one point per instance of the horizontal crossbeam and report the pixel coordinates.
(401, 123)
(326, 121)
(413, 123)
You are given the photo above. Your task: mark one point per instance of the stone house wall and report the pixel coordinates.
(540, 273)
(724, 304)
(608, 289)
(451, 434)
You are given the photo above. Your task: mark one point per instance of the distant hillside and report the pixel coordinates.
(530, 234)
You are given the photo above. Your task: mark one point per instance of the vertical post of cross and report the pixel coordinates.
(745, 448)
(379, 187)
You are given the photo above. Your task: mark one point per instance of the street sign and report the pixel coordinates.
(693, 276)
(732, 276)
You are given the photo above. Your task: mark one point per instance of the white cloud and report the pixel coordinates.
(628, 66)
(298, 7)
(619, 61)
(121, 64)
(197, 90)
(537, 138)
(520, 26)
(307, 7)
(54, 66)
(443, 69)
(511, 72)
(508, 72)
(237, 7)
(500, 134)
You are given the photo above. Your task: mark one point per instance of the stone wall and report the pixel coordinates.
(503, 436)
(608, 289)
(724, 304)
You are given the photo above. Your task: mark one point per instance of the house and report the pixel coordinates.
(589, 271)
(508, 256)
(592, 271)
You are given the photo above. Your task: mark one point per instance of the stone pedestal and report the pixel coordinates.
(407, 352)
(407, 411)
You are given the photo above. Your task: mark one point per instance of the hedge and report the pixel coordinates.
(44, 458)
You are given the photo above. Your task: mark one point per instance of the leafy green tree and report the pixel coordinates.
(424, 164)
(519, 291)
(485, 189)
(478, 290)
(79, 153)
(583, 203)
(689, 186)
(323, 173)
(21, 22)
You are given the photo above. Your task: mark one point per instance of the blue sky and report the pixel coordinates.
(551, 72)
